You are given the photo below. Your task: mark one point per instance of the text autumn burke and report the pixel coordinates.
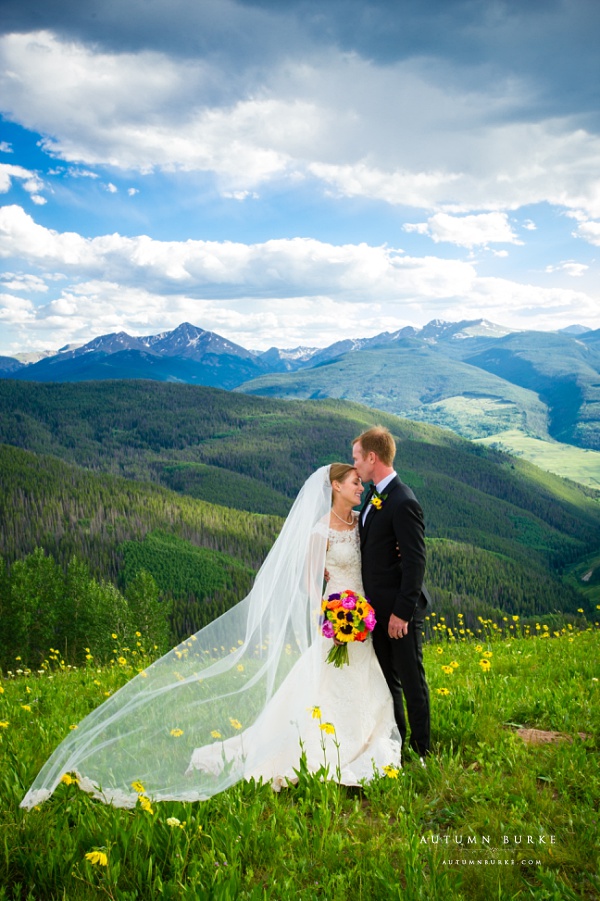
(487, 841)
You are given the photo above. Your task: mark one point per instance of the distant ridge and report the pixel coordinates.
(475, 377)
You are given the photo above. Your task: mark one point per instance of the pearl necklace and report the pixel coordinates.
(347, 522)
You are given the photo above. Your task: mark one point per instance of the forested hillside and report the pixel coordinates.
(501, 533)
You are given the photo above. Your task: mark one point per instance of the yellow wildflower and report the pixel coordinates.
(391, 772)
(26, 707)
(316, 713)
(176, 732)
(215, 734)
(4, 724)
(329, 728)
(1, 690)
(485, 664)
(235, 723)
(240, 668)
(68, 779)
(145, 804)
(114, 635)
(448, 670)
(478, 648)
(97, 857)
(73, 726)
(122, 661)
(440, 650)
(138, 787)
(453, 664)
(443, 691)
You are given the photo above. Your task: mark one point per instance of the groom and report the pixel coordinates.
(392, 541)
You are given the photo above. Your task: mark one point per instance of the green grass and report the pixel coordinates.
(395, 838)
(576, 463)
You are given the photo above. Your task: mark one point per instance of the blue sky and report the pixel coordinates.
(292, 173)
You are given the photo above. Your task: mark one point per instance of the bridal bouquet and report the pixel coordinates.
(346, 616)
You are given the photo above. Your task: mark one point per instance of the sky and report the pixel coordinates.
(294, 172)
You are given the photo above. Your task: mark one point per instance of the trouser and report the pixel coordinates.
(401, 660)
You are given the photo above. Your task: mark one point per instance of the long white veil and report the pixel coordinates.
(213, 686)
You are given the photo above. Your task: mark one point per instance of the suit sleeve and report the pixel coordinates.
(409, 529)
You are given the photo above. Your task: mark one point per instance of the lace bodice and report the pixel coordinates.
(343, 561)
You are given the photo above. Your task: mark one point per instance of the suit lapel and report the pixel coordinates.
(388, 490)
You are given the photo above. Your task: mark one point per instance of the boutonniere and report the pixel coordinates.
(377, 499)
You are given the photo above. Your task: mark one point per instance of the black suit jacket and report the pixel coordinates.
(394, 584)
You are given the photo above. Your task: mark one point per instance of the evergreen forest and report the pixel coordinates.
(146, 503)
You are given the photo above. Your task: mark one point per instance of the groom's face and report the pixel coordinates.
(363, 465)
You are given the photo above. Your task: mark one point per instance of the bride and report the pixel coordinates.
(252, 692)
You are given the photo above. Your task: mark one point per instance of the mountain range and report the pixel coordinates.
(476, 378)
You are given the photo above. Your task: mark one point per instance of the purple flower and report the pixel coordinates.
(370, 621)
(328, 630)
(334, 597)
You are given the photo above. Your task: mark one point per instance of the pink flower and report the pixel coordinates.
(370, 621)
(328, 630)
(349, 603)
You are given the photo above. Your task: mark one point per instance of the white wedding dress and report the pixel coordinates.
(236, 700)
(354, 699)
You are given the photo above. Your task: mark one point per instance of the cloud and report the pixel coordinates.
(467, 231)
(571, 267)
(588, 230)
(5, 147)
(284, 291)
(406, 132)
(30, 181)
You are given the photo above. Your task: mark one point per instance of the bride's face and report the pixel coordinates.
(350, 490)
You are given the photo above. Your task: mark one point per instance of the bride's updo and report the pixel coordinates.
(338, 472)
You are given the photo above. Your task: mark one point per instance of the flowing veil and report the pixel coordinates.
(214, 686)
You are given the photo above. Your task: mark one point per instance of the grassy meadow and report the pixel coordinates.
(491, 816)
(579, 464)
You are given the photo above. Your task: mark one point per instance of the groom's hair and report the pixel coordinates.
(378, 440)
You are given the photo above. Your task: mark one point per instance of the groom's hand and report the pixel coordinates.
(397, 628)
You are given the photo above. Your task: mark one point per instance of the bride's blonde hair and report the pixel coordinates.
(338, 472)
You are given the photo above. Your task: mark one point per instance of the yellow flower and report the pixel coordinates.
(329, 728)
(315, 713)
(443, 691)
(122, 661)
(448, 670)
(391, 772)
(488, 654)
(215, 734)
(484, 663)
(478, 648)
(138, 787)
(144, 675)
(176, 732)
(4, 724)
(440, 650)
(68, 779)
(73, 726)
(235, 723)
(1, 690)
(453, 664)
(97, 857)
(240, 668)
(145, 804)
(26, 707)
(139, 634)
(114, 635)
